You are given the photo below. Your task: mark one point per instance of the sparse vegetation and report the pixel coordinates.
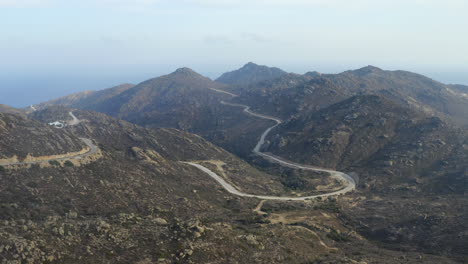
(338, 236)
(54, 163)
(330, 206)
(30, 143)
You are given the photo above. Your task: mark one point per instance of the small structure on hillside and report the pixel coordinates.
(57, 124)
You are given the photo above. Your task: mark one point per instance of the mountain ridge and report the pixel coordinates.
(321, 90)
(250, 73)
(11, 110)
(86, 99)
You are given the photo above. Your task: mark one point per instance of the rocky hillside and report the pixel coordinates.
(459, 88)
(250, 73)
(183, 99)
(86, 99)
(372, 132)
(282, 97)
(322, 90)
(360, 125)
(167, 101)
(401, 156)
(411, 89)
(21, 136)
(138, 195)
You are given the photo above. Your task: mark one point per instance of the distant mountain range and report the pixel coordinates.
(267, 87)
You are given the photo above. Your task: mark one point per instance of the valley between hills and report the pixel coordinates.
(184, 169)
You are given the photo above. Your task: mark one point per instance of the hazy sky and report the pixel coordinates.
(58, 46)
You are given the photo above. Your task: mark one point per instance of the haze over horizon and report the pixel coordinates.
(50, 49)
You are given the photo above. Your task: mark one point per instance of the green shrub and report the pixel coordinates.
(2, 169)
(68, 163)
(54, 163)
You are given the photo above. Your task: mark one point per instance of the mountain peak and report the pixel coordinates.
(313, 74)
(372, 68)
(250, 64)
(251, 73)
(367, 70)
(185, 70)
(184, 73)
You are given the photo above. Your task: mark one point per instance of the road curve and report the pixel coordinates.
(93, 149)
(350, 182)
(75, 121)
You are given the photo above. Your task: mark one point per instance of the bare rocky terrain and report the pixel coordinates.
(399, 134)
(22, 136)
(139, 204)
(289, 95)
(365, 130)
(412, 170)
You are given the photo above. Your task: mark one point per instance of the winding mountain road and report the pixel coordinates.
(343, 177)
(350, 183)
(93, 149)
(75, 121)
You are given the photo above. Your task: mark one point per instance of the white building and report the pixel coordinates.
(57, 124)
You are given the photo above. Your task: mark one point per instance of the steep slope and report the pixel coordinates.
(9, 109)
(410, 89)
(412, 168)
(167, 101)
(287, 95)
(458, 90)
(86, 99)
(68, 100)
(184, 100)
(250, 73)
(367, 131)
(21, 137)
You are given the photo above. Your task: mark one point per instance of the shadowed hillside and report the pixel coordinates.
(416, 91)
(250, 73)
